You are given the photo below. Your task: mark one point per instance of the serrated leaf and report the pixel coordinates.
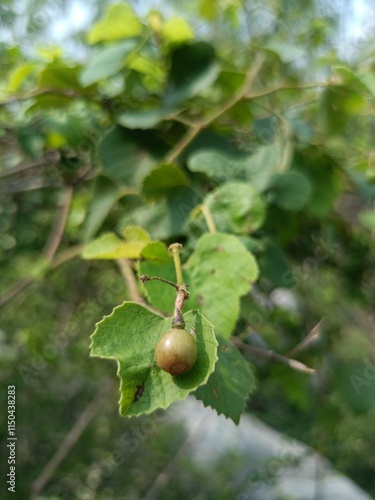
(164, 180)
(236, 208)
(130, 335)
(220, 271)
(231, 383)
(110, 246)
(119, 22)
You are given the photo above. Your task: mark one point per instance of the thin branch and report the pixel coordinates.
(313, 336)
(196, 127)
(185, 140)
(130, 280)
(58, 228)
(15, 290)
(144, 278)
(65, 255)
(309, 86)
(53, 243)
(268, 353)
(70, 440)
(127, 272)
(208, 218)
(41, 92)
(24, 166)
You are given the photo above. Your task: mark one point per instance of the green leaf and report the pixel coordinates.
(261, 165)
(110, 246)
(229, 386)
(193, 70)
(236, 208)
(20, 74)
(164, 219)
(130, 335)
(176, 31)
(165, 180)
(105, 195)
(142, 119)
(358, 81)
(367, 219)
(136, 234)
(128, 155)
(220, 271)
(274, 267)
(291, 190)
(156, 251)
(158, 263)
(368, 79)
(119, 22)
(257, 168)
(59, 75)
(338, 104)
(208, 9)
(288, 53)
(108, 62)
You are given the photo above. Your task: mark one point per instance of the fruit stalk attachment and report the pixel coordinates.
(182, 293)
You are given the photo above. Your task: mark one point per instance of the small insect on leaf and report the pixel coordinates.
(138, 393)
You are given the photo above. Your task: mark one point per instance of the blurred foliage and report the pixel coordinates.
(248, 114)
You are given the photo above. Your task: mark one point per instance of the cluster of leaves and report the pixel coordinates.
(263, 171)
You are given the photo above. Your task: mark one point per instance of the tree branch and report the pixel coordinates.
(58, 228)
(128, 275)
(127, 272)
(53, 243)
(268, 353)
(332, 82)
(196, 127)
(37, 93)
(313, 336)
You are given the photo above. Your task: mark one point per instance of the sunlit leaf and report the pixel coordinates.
(119, 22)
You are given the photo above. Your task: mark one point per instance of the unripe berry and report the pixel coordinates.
(176, 351)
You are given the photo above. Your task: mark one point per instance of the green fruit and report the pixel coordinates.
(176, 351)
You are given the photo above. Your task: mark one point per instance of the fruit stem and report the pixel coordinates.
(175, 250)
(182, 293)
(208, 218)
(178, 318)
(144, 278)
